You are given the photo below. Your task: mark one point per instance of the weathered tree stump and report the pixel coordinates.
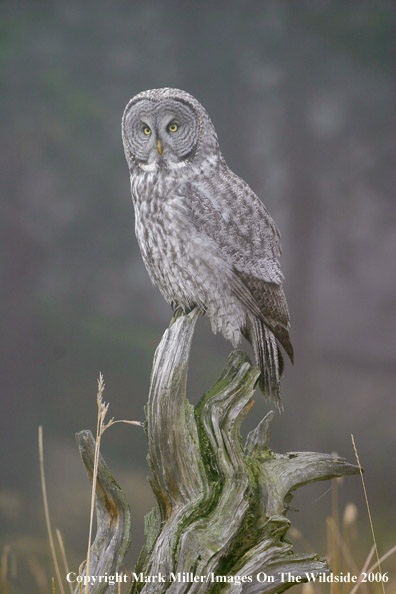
(113, 518)
(221, 505)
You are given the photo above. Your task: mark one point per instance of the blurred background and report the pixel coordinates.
(302, 96)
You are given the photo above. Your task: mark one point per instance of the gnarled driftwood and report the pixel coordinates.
(221, 505)
(113, 517)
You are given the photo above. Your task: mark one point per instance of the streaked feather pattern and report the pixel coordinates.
(205, 237)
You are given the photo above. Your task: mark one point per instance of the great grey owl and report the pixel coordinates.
(205, 237)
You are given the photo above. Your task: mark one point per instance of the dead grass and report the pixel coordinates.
(342, 529)
(342, 542)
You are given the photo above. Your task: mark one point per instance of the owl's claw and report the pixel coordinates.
(174, 305)
(180, 310)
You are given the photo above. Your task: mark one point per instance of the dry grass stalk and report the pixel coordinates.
(339, 546)
(101, 427)
(38, 573)
(385, 556)
(102, 410)
(80, 572)
(63, 555)
(12, 565)
(46, 510)
(373, 567)
(308, 588)
(331, 546)
(113, 422)
(333, 525)
(349, 524)
(342, 547)
(363, 570)
(4, 568)
(368, 510)
(297, 535)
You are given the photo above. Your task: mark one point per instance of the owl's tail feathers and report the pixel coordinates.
(268, 358)
(283, 336)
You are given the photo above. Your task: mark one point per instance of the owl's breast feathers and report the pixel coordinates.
(209, 240)
(183, 262)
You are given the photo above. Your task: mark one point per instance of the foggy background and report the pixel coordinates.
(302, 97)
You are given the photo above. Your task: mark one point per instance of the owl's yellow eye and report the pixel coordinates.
(173, 127)
(146, 130)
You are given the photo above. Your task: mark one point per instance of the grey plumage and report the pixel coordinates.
(205, 237)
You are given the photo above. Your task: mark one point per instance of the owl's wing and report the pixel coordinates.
(228, 211)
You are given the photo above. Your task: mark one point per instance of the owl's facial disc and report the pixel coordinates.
(163, 134)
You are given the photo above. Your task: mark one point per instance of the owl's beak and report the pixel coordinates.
(159, 147)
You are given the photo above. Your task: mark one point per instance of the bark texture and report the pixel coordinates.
(113, 518)
(221, 504)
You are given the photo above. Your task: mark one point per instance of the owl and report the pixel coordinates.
(205, 237)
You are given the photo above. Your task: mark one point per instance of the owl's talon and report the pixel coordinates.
(177, 312)
(181, 310)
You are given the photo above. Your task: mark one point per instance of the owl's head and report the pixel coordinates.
(166, 128)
